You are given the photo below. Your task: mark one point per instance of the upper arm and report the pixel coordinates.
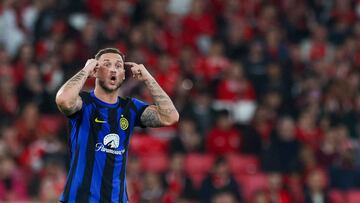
(151, 118)
(68, 107)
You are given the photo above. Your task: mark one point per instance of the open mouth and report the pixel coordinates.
(113, 78)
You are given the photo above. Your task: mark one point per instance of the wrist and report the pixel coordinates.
(86, 70)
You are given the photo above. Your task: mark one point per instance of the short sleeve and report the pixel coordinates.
(140, 107)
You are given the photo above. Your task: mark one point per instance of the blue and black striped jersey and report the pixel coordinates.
(99, 139)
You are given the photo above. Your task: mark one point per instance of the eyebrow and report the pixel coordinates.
(109, 60)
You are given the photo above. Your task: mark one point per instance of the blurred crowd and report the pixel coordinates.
(268, 91)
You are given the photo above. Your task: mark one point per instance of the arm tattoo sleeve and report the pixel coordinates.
(77, 81)
(70, 93)
(150, 117)
(165, 106)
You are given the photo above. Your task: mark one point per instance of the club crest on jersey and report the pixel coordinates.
(124, 123)
(110, 143)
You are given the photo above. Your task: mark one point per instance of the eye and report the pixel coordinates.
(107, 65)
(119, 66)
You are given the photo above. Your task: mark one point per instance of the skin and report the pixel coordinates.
(109, 71)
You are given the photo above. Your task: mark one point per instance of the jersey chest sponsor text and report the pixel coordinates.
(110, 145)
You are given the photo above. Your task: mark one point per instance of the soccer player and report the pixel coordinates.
(101, 124)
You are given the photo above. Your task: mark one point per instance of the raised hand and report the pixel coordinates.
(90, 67)
(138, 71)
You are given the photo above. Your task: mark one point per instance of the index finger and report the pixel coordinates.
(130, 64)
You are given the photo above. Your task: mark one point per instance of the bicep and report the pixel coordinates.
(150, 117)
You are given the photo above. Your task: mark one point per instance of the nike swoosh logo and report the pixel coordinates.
(99, 121)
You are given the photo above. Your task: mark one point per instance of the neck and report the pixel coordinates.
(108, 97)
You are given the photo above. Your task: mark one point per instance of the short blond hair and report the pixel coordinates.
(109, 50)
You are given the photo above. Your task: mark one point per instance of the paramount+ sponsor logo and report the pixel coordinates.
(110, 144)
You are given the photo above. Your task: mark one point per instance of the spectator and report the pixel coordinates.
(9, 100)
(53, 180)
(12, 180)
(315, 191)
(343, 172)
(277, 191)
(212, 66)
(224, 197)
(307, 132)
(260, 196)
(152, 190)
(236, 93)
(218, 180)
(201, 111)
(223, 138)
(197, 25)
(188, 139)
(282, 155)
(178, 183)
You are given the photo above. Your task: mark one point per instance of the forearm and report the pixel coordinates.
(67, 97)
(165, 107)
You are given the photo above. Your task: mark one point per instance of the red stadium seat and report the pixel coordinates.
(243, 164)
(336, 196)
(145, 144)
(197, 166)
(353, 196)
(154, 162)
(251, 183)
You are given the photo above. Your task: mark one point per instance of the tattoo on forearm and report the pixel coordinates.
(150, 118)
(77, 80)
(161, 99)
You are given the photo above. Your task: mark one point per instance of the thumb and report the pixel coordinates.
(93, 72)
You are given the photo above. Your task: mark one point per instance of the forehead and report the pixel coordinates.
(112, 57)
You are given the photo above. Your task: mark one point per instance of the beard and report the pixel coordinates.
(109, 89)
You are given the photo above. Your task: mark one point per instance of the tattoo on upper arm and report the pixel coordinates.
(150, 117)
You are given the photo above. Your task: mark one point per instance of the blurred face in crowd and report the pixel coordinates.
(224, 198)
(111, 72)
(222, 169)
(319, 33)
(235, 72)
(260, 197)
(224, 122)
(197, 7)
(275, 182)
(32, 73)
(7, 167)
(26, 53)
(286, 129)
(307, 120)
(189, 135)
(177, 163)
(133, 166)
(216, 49)
(151, 180)
(316, 181)
(274, 71)
(30, 115)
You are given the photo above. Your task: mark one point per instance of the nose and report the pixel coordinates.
(113, 69)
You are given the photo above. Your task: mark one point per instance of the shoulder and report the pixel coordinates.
(139, 105)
